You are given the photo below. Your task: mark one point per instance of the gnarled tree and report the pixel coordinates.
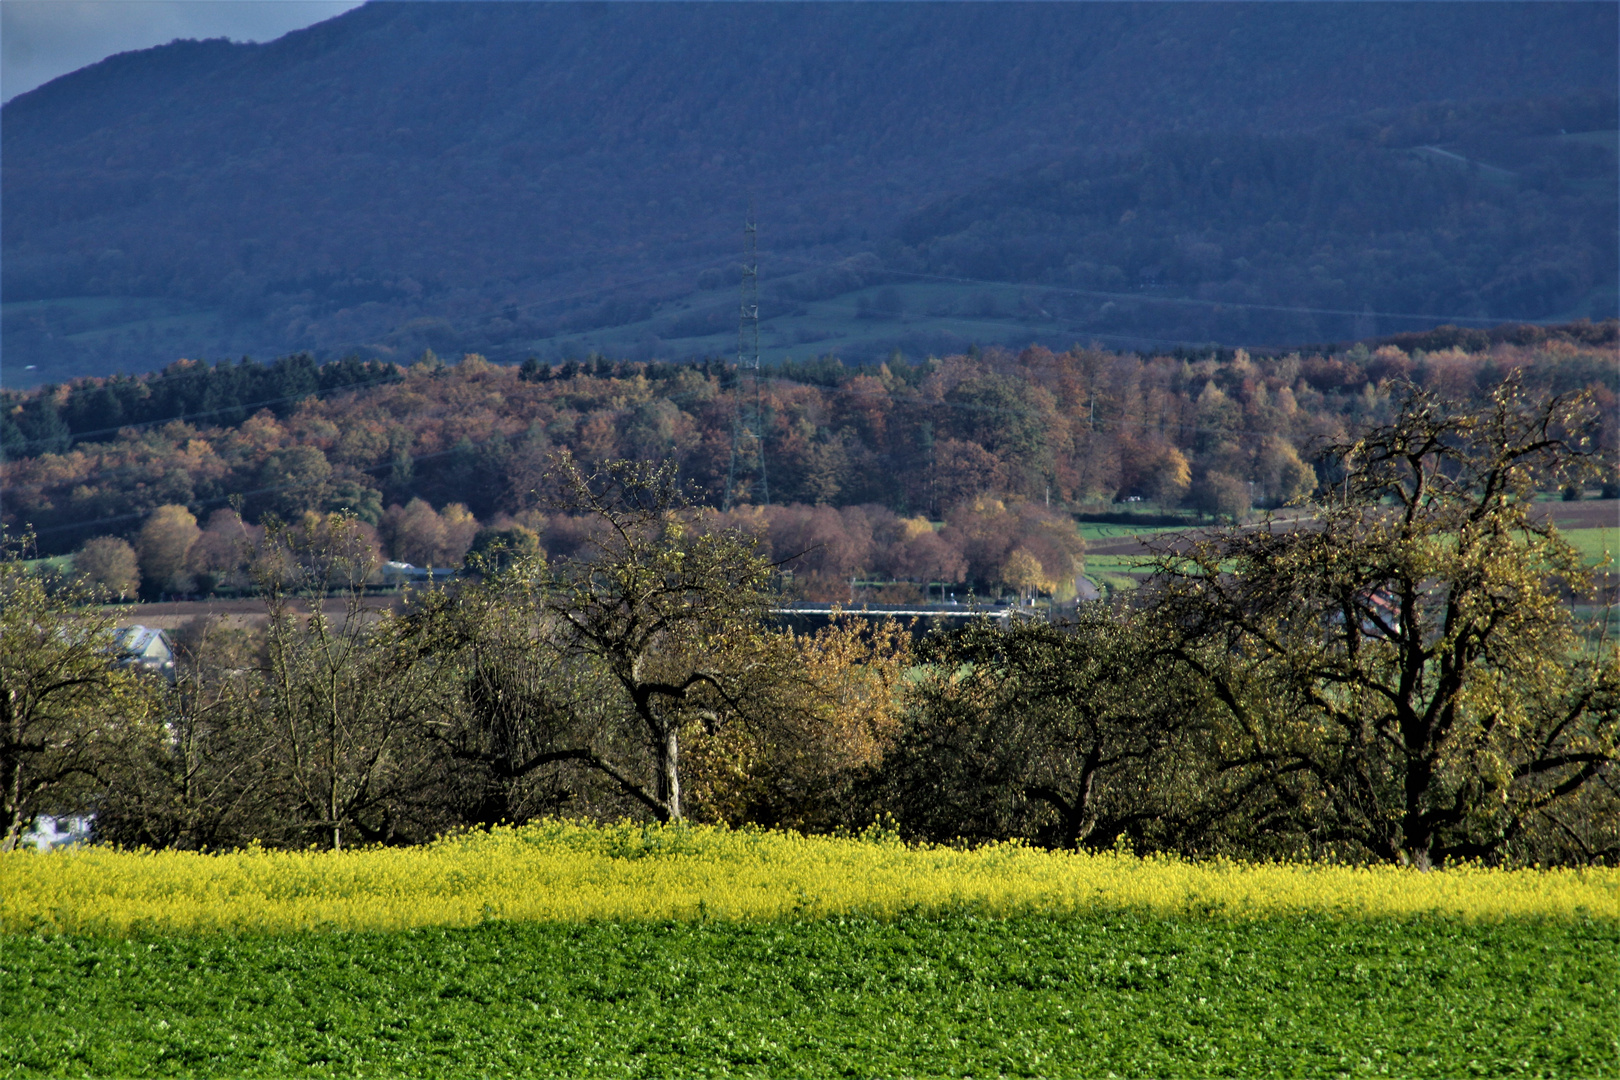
(1398, 670)
(654, 630)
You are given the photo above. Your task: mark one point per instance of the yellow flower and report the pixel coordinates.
(567, 872)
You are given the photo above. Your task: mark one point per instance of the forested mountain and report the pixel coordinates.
(1319, 235)
(554, 178)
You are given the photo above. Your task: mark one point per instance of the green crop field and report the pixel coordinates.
(913, 996)
(574, 950)
(1598, 547)
(1102, 532)
(1117, 564)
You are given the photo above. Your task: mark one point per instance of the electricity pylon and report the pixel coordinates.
(748, 422)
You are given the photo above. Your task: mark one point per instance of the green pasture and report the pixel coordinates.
(1607, 138)
(1097, 532)
(961, 996)
(73, 336)
(1598, 547)
(55, 564)
(1116, 564)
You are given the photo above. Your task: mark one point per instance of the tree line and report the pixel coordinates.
(985, 547)
(430, 455)
(1394, 676)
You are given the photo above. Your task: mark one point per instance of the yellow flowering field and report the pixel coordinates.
(563, 872)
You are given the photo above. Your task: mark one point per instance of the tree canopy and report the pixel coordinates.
(1398, 672)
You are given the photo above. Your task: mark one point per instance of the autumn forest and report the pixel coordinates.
(964, 471)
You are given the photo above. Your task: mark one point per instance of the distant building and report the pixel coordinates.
(397, 573)
(54, 832)
(145, 647)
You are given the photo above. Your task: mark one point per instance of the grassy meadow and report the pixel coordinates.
(1598, 547)
(657, 951)
(1108, 562)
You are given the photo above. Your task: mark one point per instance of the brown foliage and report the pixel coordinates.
(867, 450)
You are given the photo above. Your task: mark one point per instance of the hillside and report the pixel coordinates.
(1389, 222)
(550, 179)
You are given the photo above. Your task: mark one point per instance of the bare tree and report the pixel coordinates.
(672, 612)
(527, 718)
(651, 632)
(341, 697)
(203, 783)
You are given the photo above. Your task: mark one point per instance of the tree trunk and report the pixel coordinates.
(669, 775)
(14, 824)
(11, 772)
(332, 814)
(1417, 831)
(13, 805)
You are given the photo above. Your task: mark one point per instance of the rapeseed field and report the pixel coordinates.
(568, 873)
(652, 951)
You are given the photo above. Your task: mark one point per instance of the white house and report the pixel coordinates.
(142, 646)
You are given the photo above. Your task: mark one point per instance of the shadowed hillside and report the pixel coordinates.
(556, 178)
(1505, 212)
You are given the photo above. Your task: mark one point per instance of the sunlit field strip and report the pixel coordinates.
(577, 873)
(1597, 546)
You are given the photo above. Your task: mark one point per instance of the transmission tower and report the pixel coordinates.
(748, 422)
